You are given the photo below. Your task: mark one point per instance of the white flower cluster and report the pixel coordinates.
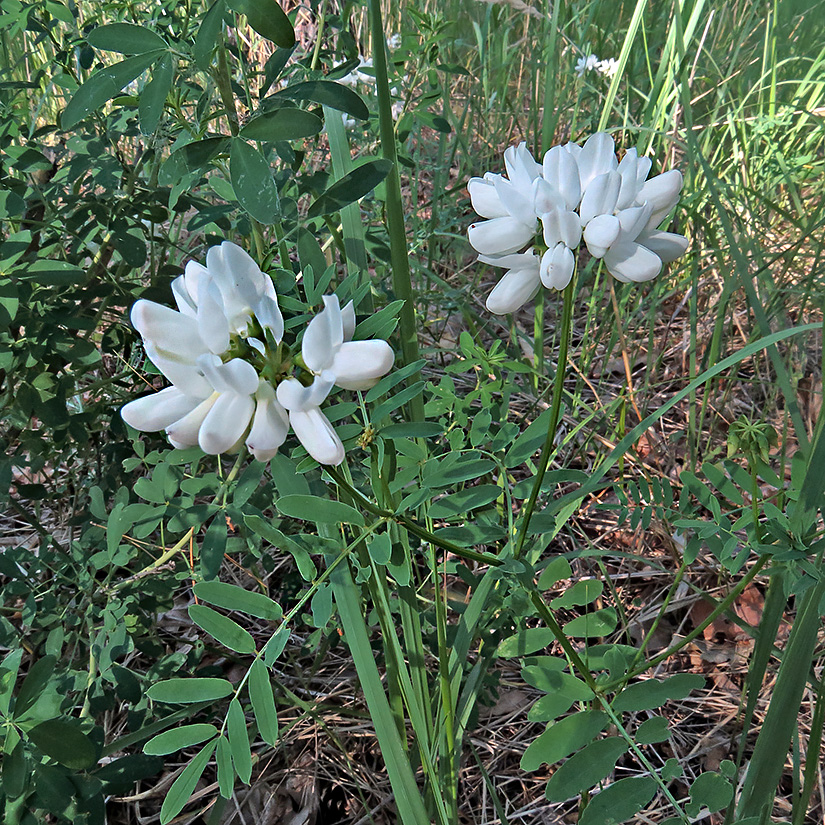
(578, 192)
(591, 63)
(232, 374)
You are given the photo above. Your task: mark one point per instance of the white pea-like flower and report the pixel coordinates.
(231, 379)
(578, 192)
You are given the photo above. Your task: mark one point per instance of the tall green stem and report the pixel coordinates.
(401, 277)
(555, 413)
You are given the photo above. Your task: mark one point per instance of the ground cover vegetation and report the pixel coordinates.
(562, 563)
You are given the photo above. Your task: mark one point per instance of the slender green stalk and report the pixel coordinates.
(399, 247)
(408, 798)
(555, 413)
(771, 749)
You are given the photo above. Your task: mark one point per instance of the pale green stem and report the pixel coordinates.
(401, 277)
(555, 413)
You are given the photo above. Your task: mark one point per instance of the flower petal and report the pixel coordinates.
(601, 233)
(517, 260)
(171, 333)
(546, 197)
(499, 236)
(317, 435)
(557, 267)
(158, 410)
(269, 316)
(359, 364)
(522, 168)
(269, 424)
(185, 303)
(485, 199)
(562, 171)
(667, 245)
(561, 226)
(324, 336)
(186, 376)
(348, 320)
(633, 171)
(597, 157)
(630, 261)
(600, 197)
(517, 202)
(294, 396)
(212, 323)
(515, 289)
(662, 193)
(236, 377)
(184, 432)
(225, 423)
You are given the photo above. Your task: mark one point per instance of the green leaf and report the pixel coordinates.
(389, 381)
(415, 429)
(263, 702)
(126, 38)
(328, 93)
(709, 790)
(8, 677)
(653, 730)
(563, 689)
(558, 570)
(122, 774)
(232, 597)
(584, 769)
(207, 37)
(185, 691)
(55, 790)
(582, 592)
(284, 123)
(399, 399)
(319, 510)
(9, 303)
(15, 770)
(619, 802)
(252, 181)
(652, 693)
(191, 157)
(268, 19)
(447, 472)
(64, 742)
(462, 502)
(528, 640)
(306, 567)
(213, 548)
(380, 324)
(351, 187)
(182, 787)
(226, 774)
(222, 629)
(153, 96)
(36, 679)
(599, 623)
(174, 740)
(103, 85)
(53, 273)
(239, 741)
(563, 737)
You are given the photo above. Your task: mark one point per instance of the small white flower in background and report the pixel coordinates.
(586, 64)
(223, 353)
(608, 67)
(577, 193)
